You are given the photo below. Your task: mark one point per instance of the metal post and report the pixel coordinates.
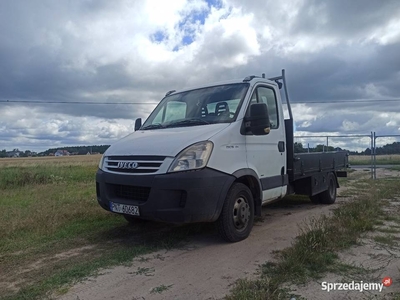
(287, 95)
(327, 143)
(308, 147)
(372, 156)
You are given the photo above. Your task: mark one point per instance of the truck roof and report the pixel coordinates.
(252, 80)
(249, 79)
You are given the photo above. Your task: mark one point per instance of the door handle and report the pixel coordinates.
(281, 146)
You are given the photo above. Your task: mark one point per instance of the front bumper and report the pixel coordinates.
(182, 197)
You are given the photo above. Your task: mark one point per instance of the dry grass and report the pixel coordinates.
(42, 198)
(314, 251)
(76, 160)
(52, 230)
(392, 159)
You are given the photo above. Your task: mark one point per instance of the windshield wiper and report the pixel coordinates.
(153, 126)
(188, 122)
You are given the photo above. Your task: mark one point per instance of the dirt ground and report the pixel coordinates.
(207, 267)
(380, 259)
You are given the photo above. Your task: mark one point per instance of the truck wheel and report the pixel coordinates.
(329, 196)
(236, 219)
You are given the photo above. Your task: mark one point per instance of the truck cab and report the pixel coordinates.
(213, 153)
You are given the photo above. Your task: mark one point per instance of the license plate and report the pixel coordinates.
(124, 209)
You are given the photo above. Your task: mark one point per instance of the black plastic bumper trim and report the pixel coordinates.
(182, 197)
(274, 181)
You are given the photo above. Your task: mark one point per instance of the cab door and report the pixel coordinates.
(266, 154)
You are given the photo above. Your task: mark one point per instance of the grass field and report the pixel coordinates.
(314, 252)
(52, 230)
(393, 159)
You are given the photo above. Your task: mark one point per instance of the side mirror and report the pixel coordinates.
(138, 124)
(259, 119)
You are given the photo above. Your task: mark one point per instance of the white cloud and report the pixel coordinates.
(132, 51)
(349, 126)
(388, 34)
(40, 131)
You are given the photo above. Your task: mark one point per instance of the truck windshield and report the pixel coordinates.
(217, 104)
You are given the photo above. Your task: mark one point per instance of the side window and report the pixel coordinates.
(267, 96)
(253, 100)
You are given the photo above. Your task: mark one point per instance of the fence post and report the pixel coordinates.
(372, 156)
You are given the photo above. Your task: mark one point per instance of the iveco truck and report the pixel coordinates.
(214, 153)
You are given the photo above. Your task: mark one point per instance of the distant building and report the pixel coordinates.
(14, 153)
(61, 153)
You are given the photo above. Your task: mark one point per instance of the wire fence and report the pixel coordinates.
(335, 142)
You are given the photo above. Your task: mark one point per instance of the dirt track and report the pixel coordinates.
(207, 267)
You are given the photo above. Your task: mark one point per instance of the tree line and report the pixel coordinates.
(298, 148)
(393, 148)
(78, 150)
(74, 150)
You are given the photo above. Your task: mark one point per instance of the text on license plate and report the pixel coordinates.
(124, 209)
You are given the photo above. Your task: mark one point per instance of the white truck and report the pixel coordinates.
(214, 153)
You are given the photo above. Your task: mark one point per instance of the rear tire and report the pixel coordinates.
(237, 216)
(328, 196)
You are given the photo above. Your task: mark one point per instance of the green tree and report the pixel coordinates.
(298, 148)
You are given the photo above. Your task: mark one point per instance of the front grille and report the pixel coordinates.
(144, 164)
(137, 193)
(138, 157)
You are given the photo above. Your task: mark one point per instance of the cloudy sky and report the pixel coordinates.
(342, 60)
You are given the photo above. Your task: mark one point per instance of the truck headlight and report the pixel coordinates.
(193, 157)
(101, 162)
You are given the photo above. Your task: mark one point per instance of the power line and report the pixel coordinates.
(153, 103)
(73, 102)
(351, 101)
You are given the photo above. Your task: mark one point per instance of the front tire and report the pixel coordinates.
(237, 216)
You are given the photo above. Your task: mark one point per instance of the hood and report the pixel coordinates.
(165, 142)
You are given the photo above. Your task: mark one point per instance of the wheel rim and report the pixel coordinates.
(241, 213)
